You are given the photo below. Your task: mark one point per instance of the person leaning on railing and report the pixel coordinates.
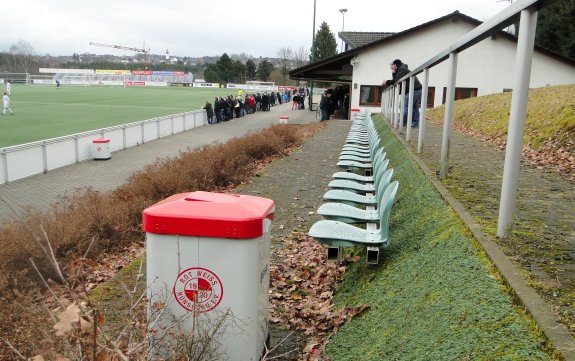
(399, 70)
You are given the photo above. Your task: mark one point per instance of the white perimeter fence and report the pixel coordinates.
(21, 161)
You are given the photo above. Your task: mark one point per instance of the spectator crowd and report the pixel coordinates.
(227, 108)
(230, 107)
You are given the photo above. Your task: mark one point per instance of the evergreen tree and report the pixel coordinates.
(556, 28)
(251, 70)
(264, 70)
(211, 74)
(324, 44)
(225, 68)
(239, 71)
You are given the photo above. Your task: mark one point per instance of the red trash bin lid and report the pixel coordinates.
(206, 214)
(101, 140)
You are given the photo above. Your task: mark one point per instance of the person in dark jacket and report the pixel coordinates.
(231, 103)
(238, 107)
(265, 102)
(399, 70)
(218, 110)
(258, 102)
(295, 102)
(324, 106)
(209, 113)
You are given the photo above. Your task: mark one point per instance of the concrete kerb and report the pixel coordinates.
(556, 332)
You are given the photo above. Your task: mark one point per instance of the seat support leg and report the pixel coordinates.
(372, 255)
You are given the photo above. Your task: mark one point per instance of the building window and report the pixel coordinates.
(461, 93)
(430, 96)
(370, 95)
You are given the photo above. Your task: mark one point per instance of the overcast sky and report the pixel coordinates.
(198, 28)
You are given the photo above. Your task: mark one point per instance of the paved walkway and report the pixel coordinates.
(545, 210)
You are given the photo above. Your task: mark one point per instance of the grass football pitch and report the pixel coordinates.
(48, 112)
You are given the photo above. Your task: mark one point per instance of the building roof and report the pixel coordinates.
(338, 69)
(359, 38)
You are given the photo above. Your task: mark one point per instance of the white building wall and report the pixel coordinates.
(488, 66)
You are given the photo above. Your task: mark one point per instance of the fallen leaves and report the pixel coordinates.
(301, 290)
(548, 156)
(89, 273)
(70, 322)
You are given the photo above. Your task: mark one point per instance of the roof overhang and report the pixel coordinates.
(335, 69)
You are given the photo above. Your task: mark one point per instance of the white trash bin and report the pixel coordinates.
(208, 253)
(101, 149)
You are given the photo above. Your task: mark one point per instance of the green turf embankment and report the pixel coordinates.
(432, 296)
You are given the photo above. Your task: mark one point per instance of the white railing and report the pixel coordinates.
(526, 11)
(21, 161)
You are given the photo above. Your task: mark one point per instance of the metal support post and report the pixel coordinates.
(410, 108)
(389, 105)
(448, 116)
(391, 98)
(396, 107)
(45, 156)
(401, 105)
(392, 105)
(523, 61)
(423, 112)
(4, 156)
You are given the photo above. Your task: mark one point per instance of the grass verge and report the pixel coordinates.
(434, 295)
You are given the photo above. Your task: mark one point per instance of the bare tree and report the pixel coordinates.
(285, 55)
(22, 57)
(300, 57)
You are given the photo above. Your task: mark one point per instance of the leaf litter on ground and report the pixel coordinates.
(302, 284)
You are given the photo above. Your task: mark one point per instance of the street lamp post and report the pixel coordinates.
(342, 11)
(310, 96)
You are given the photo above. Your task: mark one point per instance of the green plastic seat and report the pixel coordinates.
(356, 158)
(373, 145)
(356, 147)
(360, 149)
(360, 153)
(351, 164)
(380, 166)
(361, 178)
(352, 214)
(339, 234)
(355, 199)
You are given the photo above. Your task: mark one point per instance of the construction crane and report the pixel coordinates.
(143, 51)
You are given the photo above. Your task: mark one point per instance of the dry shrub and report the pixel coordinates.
(23, 322)
(104, 222)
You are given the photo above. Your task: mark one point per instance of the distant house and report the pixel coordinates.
(486, 68)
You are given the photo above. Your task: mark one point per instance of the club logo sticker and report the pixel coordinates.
(198, 290)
